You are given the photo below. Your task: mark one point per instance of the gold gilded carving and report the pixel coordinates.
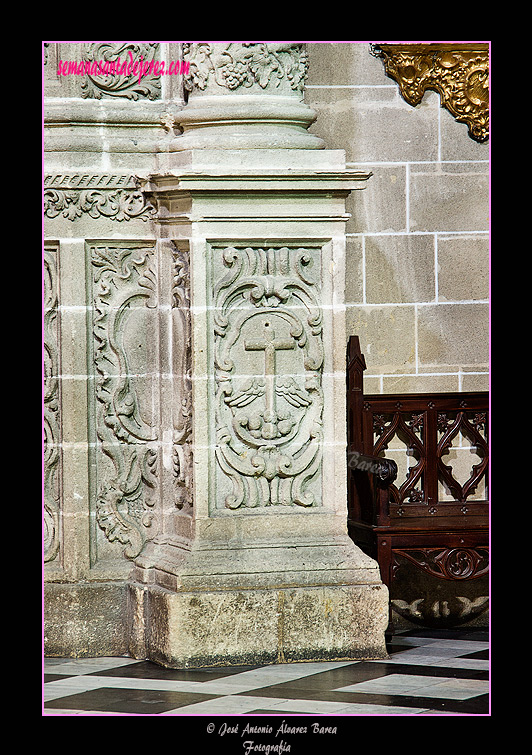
(458, 72)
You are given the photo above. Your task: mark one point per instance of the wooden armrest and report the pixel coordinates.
(384, 470)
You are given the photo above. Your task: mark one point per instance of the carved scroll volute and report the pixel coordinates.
(447, 563)
(458, 72)
(124, 282)
(52, 404)
(111, 55)
(182, 390)
(118, 197)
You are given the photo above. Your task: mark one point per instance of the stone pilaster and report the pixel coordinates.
(255, 565)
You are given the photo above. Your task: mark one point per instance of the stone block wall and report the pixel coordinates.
(417, 242)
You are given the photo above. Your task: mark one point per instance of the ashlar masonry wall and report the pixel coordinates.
(417, 281)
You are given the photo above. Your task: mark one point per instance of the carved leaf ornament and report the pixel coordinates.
(447, 563)
(244, 64)
(115, 205)
(117, 197)
(458, 72)
(51, 425)
(124, 281)
(122, 277)
(115, 81)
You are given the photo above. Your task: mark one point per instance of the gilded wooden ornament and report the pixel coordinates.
(458, 72)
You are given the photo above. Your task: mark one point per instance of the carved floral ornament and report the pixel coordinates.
(458, 72)
(245, 64)
(124, 278)
(117, 197)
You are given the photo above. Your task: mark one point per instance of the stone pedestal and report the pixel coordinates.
(257, 567)
(196, 497)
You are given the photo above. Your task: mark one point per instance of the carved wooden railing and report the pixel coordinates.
(428, 425)
(415, 504)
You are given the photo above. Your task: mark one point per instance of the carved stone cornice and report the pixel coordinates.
(459, 72)
(118, 197)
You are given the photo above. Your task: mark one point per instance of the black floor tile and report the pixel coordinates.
(477, 704)
(324, 686)
(149, 670)
(55, 677)
(272, 712)
(314, 687)
(113, 700)
(474, 634)
(480, 655)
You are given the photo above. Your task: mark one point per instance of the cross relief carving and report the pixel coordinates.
(269, 414)
(269, 344)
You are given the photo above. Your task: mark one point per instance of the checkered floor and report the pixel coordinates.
(427, 672)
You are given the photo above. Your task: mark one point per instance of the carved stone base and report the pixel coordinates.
(246, 123)
(85, 620)
(268, 573)
(247, 627)
(300, 590)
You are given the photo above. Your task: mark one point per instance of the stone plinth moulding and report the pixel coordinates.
(458, 71)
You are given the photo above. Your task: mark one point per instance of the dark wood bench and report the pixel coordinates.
(423, 514)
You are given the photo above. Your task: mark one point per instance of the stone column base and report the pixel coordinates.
(201, 628)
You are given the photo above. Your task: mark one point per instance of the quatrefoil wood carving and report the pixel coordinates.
(459, 72)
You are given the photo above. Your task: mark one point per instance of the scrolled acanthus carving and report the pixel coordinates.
(123, 277)
(117, 197)
(458, 72)
(111, 83)
(51, 424)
